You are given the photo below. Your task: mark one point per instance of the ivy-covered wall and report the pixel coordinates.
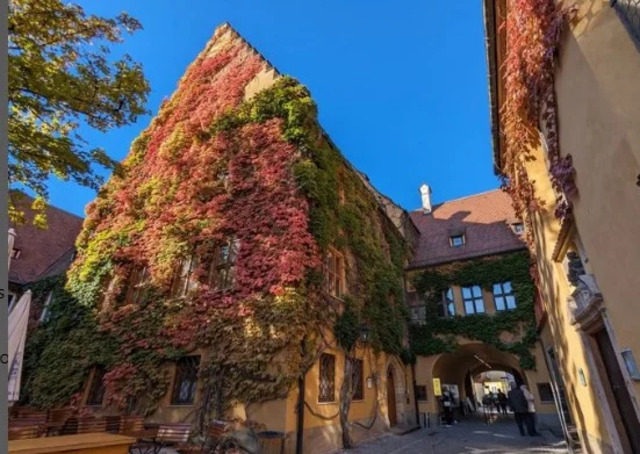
(442, 334)
(214, 165)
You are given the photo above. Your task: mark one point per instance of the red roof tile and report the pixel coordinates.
(485, 220)
(41, 249)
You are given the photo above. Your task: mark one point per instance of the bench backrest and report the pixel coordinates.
(24, 432)
(84, 426)
(113, 423)
(174, 433)
(59, 415)
(217, 430)
(131, 424)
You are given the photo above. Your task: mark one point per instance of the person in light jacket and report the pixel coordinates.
(520, 407)
(531, 407)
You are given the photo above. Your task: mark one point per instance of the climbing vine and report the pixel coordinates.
(441, 334)
(214, 165)
(533, 32)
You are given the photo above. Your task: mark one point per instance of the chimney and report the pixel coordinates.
(425, 193)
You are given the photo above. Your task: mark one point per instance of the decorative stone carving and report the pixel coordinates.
(585, 299)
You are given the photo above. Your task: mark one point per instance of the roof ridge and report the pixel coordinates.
(462, 198)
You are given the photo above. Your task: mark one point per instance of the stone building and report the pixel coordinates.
(239, 267)
(581, 174)
(473, 304)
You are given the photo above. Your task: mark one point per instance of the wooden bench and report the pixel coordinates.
(173, 435)
(84, 426)
(24, 432)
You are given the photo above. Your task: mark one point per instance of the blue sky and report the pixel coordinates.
(401, 86)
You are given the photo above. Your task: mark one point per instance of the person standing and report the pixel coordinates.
(447, 403)
(520, 407)
(502, 402)
(531, 410)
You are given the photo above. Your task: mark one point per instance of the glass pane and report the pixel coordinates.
(466, 292)
(477, 291)
(507, 287)
(449, 294)
(499, 303)
(468, 306)
(479, 306)
(497, 289)
(451, 308)
(511, 302)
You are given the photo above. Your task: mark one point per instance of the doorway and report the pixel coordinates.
(626, 417)
(391, 398)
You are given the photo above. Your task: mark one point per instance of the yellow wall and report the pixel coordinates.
(598, 88)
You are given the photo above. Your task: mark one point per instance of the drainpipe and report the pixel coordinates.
(300, 416)
(415, 400)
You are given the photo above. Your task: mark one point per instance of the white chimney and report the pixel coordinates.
(425, 193)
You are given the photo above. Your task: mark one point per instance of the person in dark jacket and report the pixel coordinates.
(520, 407)
(502, 402)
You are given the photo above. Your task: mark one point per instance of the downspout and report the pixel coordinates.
(300, 416)
(415, 399)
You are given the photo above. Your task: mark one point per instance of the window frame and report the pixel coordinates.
(138, 281)
(322, 399)
(183, 280)
(221, 271)
(541, 394)
(335, 274)
(504, 295)
(179, 378)
(418, 395)
(452, 240)
(443, 309)
(96, 387)
(474, 299)
(357, 385)
(630, 364)
(16, 253)
(517, 228)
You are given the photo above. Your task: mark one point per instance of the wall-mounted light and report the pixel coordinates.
(364, 333)
(583, 379)
(369, 382)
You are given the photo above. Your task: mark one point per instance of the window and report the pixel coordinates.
(503, 296)
(418, 314)
(631, 364)
(447, 308)
(518, 228)
(421, 392)
(45, 311)
(334, 273)
(96, 392)
(472, 297)
(183, 280)
(12, 297)
(456, 240)
(184, 385)
(16, 253)
(138, 282)
(629, 12)
(326, 385)
(221, 274)
(545, 392)
(357, 378)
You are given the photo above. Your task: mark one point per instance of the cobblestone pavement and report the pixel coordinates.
(472, 437)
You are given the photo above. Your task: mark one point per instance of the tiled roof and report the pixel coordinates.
(483, 218)
(43, 250)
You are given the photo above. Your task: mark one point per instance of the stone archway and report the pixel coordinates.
(471, 359)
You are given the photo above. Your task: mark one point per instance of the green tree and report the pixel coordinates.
(60, 77)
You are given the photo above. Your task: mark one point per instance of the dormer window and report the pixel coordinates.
(456, 240)
(518, 228)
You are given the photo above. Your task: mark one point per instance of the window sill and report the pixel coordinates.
(358, 401)
(180, 406)
(335, 402)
